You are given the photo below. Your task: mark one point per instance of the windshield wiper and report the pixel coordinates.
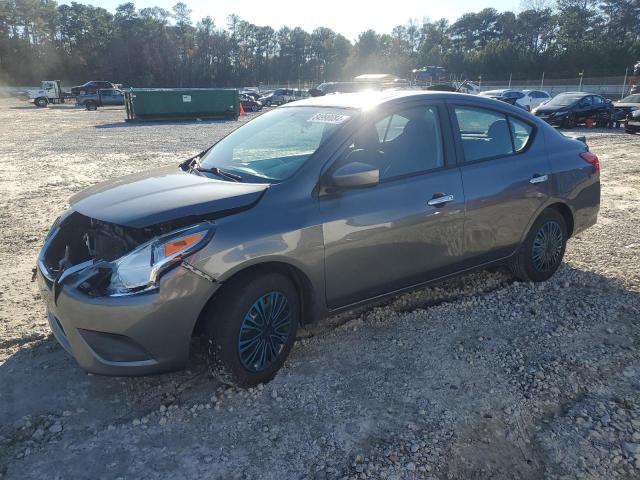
(218, 172)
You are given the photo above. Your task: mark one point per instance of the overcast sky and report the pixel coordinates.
(348, 17)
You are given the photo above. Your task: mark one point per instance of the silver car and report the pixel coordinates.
(311, 209)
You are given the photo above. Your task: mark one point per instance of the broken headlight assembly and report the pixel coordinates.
(140, 270)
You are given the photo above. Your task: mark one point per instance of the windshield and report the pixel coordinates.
(275, 145)
(563, 100)
(631, 99)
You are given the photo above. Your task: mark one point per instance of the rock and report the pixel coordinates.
(631, 448)
(56, 428)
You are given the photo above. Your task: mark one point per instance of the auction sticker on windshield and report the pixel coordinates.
(332, 118)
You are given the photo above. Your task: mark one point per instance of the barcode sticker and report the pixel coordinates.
(332, 118)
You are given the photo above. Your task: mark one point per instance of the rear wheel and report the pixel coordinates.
(251, 328)
(541, 253)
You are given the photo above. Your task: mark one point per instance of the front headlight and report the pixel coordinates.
(636, 113)
(141, 269)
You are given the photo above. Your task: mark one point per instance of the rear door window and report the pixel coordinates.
(483, 133)
(488, 134)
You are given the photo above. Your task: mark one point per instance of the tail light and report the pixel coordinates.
(591, 158)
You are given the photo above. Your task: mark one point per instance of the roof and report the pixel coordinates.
(358, 100)
(367, 100)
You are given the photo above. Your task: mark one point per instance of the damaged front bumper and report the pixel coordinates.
(144, 333)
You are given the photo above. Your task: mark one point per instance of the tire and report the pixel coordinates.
(91, 106)
(569, 122)
(254, 108)
(41, 102)
(529, 267)
(238, 315)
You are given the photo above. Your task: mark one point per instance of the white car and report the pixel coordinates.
(527, 99)
(533, 98)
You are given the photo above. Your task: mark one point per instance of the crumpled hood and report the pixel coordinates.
(149, 198)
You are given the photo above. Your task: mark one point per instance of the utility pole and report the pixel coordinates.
(624, 84)
(542, 81)
(581, 74)
(510, 75)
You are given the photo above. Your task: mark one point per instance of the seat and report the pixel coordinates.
(499, 138)
(416, 149)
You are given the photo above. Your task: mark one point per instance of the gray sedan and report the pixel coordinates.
(308, 210)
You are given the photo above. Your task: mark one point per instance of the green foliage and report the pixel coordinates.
(155, 47)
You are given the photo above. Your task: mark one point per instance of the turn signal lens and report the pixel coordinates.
(591, 158)
(179, 244)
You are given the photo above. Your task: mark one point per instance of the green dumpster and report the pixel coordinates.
(181, 103)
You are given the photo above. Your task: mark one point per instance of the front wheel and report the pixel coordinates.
(41, 102)
(251, 328)
(569, 122)
(91, 106)
(541, 253)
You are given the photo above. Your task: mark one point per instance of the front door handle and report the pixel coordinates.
(440, 200)
(539, 178)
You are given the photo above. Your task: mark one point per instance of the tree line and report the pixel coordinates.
(40, 39)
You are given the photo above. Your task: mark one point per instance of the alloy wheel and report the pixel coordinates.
(264, 331)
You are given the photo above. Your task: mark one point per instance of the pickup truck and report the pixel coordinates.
(102, 98)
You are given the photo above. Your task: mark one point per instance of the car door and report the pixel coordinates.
(405, 230)
(601, 107)
(584, 109)
(504, 173)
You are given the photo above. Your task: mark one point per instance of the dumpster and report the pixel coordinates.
(181, 103)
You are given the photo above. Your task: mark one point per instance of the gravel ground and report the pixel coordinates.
(481, 377)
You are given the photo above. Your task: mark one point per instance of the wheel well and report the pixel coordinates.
(566, 213)
(308, 299)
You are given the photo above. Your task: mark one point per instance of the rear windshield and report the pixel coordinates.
(275, 145)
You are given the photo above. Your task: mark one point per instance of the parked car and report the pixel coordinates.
(343, 87)
(572, 108)
(91, 87)
(251, 93)
(279, 96)
(509, 96)
(102, 97)
(372, 195)
(632, 122)
(625, 106)
(533, 98)
(249, 104)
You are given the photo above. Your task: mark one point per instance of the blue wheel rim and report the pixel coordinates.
(264, 331)
(547, 246)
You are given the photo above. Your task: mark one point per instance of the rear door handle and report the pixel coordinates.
(539, 178)
(440, 200)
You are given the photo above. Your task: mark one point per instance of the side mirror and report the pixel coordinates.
(355, 175)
